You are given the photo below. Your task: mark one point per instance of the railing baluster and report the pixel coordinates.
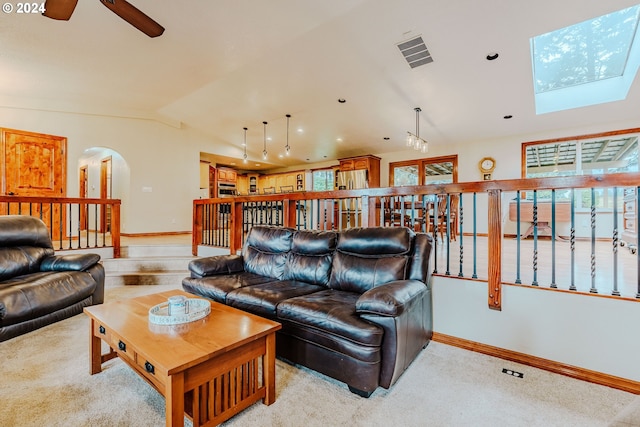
(593, 289)
(553, 239)
(615, 290)
(518, 279)
(475, 238)
(461, 218)
(535, 238)
(572, 238)
(448, 230)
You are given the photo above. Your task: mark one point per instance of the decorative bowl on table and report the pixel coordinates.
(179, 310)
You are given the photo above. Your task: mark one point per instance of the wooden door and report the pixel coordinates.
(84, 193)
(105, 193)
(35, 165)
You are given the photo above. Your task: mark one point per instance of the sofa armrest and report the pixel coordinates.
(71, 262)
(219, 264)
(390, 299)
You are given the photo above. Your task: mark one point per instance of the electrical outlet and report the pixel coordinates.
(512, 373)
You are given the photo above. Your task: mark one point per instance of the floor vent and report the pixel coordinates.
(415, 52)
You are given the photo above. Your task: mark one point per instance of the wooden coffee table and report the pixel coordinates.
(208, 369)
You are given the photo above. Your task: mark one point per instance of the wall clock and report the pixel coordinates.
(487, 165)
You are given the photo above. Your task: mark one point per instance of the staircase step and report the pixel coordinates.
(134, 278)
(138, 251)
(146, 264)
(146, 271)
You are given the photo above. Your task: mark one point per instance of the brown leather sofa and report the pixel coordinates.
(354, 305)
(37, 287)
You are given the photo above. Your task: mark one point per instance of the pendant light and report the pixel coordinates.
(264, 151)
(413, 140)
(244, 144)
(287, 148)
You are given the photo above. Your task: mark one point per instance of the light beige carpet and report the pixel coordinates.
(45, 381)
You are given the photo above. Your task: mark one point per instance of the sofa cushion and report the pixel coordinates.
(368, 257)
(19, 260)
(34, 295)
(23, 230)
(264, 298)
(310, 257)
(217, 287)
(357, 274)
(265, 250)
(329, 318)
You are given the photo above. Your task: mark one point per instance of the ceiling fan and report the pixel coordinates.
(62, 10)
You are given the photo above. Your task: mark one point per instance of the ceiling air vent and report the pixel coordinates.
(415, 52)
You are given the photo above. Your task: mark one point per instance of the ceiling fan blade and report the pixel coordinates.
(59, 9)
(134, 16)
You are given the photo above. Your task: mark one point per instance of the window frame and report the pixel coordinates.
(420, 164)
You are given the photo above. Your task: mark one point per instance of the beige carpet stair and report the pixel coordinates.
(148, 265)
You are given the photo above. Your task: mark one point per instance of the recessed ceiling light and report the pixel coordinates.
(491, 56)
(280, 156)
(339, 139)
(342, 100)
(257, 164)
(269, 138)
(507, 117)
(300, 130)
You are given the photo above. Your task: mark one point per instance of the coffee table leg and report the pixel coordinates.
(95, 350)
(269, 370)
(175, 400)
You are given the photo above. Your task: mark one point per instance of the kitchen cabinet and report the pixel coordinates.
(227, 175)
(369, 163)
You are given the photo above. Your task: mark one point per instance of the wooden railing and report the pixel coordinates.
(479, 213)
(73, 223)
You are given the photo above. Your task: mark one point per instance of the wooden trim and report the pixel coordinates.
(576, 372)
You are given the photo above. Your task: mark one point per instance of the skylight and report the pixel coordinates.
(588, 63)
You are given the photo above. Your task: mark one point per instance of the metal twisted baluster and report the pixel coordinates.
(461, 212)
(615, 291)
(572, 287)
(593, 289)
(535, 238)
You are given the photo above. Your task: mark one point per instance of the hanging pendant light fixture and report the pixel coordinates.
(287, 148)
(244, 144)
(413, 140)
(264, 151)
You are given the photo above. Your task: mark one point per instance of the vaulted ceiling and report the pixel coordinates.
(227, 64)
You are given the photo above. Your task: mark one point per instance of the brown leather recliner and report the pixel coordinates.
(355, 305)
(38, 287)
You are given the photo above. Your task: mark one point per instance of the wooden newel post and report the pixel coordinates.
(495, 249)
(235, 227)
(196, 232)
(115, 228)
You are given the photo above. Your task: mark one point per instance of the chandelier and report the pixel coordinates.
(264, 151)
(413, 139)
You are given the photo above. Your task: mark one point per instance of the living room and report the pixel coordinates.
(159, 109)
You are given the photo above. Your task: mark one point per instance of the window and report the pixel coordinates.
(323, 180)
(588, 63)
(434, 170)
(614, 152)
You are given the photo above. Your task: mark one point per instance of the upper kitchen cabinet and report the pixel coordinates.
(369, 163)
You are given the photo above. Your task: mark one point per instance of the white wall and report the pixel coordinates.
(586, 331)
(162, 158)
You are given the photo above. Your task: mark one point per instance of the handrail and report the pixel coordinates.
(64, 216)
(371, 202)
